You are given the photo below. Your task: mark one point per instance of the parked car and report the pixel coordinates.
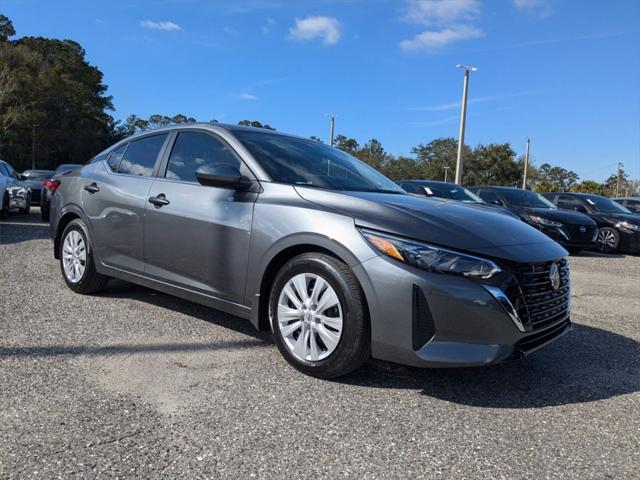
(303, 239)
(574, 231)
(449, 191)
(50, 185)
(14, 193)
(630, 203)
(619, 228)
(34, 179)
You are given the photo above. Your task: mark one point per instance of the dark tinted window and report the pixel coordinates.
(489, 197)
(140, 157)
(193, 151)
(633, 205)
(526, 198)
(567, 202)
(299, 161)
(450, 191)
(604, 205)
(116, 156)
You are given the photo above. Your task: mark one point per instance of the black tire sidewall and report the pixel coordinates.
(355, 328)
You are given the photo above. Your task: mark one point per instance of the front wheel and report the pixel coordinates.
(76, 260)
(27, 206)
(318, 316)
(608, 240)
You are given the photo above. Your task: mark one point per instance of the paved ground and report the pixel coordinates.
(134, 383)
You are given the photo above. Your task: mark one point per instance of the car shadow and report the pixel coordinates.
(123, 289)
(21, 227)
(587, 365)
(596, 254)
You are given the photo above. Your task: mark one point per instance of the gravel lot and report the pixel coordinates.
(133, 383)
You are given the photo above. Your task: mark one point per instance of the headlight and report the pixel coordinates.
(628, 226)
(430, 257)
(536, 220)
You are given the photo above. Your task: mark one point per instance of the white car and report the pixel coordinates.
(14, 193)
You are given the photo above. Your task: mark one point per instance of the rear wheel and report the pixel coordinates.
(608, 240)
(76, 260)
(4, 208)
(318, 316)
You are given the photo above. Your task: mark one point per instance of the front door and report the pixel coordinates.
(198, 237)
(114, 196)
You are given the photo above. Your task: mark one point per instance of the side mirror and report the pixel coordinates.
(495, 202)
(219, 175)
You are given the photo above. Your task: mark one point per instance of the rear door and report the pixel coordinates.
(200, 238)
(114, 196)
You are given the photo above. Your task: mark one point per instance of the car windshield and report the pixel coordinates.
(526, 198)
(298, 161)
(452, 192)
(37, 174)
(605, 205)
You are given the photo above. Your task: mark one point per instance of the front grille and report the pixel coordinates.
(575, 235)
(542, 305)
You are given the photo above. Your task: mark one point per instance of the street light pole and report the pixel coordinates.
(463, 120)
(618, 179)
(333, 121)
(446, 170)
(526, 164)
(33, 146)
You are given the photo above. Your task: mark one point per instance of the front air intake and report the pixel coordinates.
(423, 328)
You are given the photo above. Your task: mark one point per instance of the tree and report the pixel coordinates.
(493, 164)
(554, 179)
(434, 156)
(349, 145)
(6, 28)
(373, 154)
(314, 138)
(255, 124)
(590, 186)
(618, 181)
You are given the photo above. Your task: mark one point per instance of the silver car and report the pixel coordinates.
(339, 262)
(14, 193)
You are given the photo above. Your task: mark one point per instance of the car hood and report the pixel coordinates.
(562, 216)
(441, 222)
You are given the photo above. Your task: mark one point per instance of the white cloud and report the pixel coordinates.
(434, 40)
(312, 27)
(489, 98)
(248, 96)
(166, 26)
(529, 3)
(269, 23)
(441, 12)
(447, 21)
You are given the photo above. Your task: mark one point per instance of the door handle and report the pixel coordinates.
(159, 201)
(93, 188)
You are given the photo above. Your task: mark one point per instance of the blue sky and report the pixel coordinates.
(565, 72)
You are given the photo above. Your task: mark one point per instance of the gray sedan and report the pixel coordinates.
(339, 262)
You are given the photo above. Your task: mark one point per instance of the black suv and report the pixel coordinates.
(574, 231)
(619, 227)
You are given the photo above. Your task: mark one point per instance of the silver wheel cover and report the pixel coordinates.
(74, 256)
(309, 317)
(606, 240)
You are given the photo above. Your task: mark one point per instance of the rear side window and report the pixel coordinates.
(567, 202)
(140, 157)
(490, 197)
(116, 156)
(194, 150)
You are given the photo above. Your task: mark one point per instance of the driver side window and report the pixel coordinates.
(193, 150)
(490, 197)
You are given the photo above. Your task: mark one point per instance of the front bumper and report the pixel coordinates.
(571, 236)
(424, 319)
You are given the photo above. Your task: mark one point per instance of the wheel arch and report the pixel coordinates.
(69, 214)
(260, 313)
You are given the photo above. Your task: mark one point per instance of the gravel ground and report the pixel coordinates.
(133, 383)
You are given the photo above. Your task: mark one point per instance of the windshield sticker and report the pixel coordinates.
(591, 202)
(428, 190)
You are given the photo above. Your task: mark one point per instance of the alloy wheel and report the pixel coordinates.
(606, 240)
(74, 256)
(309, 317)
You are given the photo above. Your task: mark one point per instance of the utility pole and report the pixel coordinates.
(526, 164)
(33, 146)
(333, 121)
(463, 119)
(618, 179)
(446, 170)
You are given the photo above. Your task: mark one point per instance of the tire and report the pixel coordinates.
(4, 208)
(44, 213)
(326, 317)
(27, 208)
(89, 280)
(608, 240)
